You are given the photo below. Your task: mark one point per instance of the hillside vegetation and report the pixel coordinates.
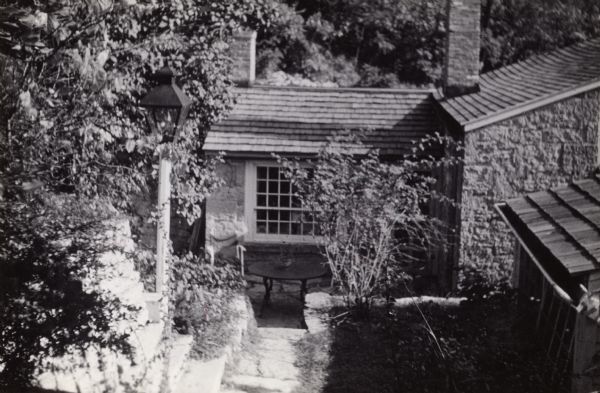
(386, 43)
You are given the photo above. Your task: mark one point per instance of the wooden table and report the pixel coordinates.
(298, 271)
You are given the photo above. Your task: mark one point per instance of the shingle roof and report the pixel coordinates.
(534, 82)
(299, 120)
(565, 221)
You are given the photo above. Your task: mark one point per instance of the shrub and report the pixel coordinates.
(201, 295)
(369, 213)
(46, 254)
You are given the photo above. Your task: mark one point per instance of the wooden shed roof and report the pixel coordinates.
(537, 81)
(299, 120)
(565, 221)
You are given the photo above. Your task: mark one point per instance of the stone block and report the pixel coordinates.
(153, 305)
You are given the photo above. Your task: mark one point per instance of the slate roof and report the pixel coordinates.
(565, 222)
(536, 81)
(299, 120)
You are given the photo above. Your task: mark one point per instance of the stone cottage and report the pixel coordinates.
(525, 127)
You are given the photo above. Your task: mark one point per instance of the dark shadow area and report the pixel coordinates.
(30, 390)
(285, 310)
(486, 347)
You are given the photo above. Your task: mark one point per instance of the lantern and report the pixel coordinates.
(167, 104)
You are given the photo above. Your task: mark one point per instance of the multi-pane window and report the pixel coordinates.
(278, 210)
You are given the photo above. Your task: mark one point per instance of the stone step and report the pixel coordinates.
(263, 384)
(147, 340)
(122, 286)
(180, 351)
(143, 317)
(201, 376)
(285, 333)
(153, 304)
(133, 295)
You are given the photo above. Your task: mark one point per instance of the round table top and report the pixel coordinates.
(298, 270)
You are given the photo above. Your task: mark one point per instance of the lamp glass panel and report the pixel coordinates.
(164, 122)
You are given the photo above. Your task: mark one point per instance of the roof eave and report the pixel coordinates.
(514, 111)
(500, 210)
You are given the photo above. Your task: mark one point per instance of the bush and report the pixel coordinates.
(369, 213)
(49, 249)
(201, 294)
(482, 281)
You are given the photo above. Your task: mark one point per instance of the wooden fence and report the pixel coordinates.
(569, 338)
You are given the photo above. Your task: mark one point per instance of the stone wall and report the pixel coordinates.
(542, 149)
(145, 230)
(225, 207)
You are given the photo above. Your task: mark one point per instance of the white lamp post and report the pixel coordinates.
(168, 107)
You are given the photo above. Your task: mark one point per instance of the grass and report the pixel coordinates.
(313, 359)
(486, 349)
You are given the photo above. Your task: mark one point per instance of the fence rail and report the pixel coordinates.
(555, 321)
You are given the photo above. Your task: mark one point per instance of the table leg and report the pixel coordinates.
(268, 283)
(303, 290)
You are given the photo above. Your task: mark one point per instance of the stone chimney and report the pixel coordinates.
(243, 53)
(460, 74)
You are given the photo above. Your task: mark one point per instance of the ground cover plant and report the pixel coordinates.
(201, 295)
(479, 347)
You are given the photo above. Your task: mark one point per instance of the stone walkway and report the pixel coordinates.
(269, 366)
(268, 362)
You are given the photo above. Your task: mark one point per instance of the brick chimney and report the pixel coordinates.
(460, 74)
(242, 50)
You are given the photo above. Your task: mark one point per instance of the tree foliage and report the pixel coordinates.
(72, 74)
(390, 43)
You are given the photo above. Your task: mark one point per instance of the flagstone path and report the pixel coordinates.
(268, 362)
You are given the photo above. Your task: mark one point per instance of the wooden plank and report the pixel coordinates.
(578, 263)
(591, 188)
(584, 348)
(580, 233)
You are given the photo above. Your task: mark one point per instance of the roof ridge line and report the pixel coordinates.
(342, 89)
(553, 51)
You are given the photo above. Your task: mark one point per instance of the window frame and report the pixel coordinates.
(250, 210)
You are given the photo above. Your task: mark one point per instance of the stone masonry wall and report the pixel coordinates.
(225, 207)
(145, 230)
(542, 149)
